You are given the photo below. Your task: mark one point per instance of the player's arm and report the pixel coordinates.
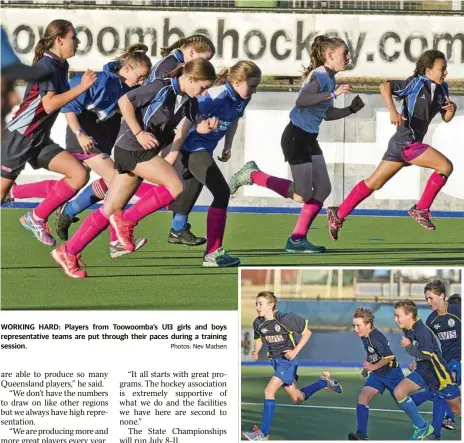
(414, 350)
(337, 113)
(228, 140)
(380, 364)
(448, 111)
(386, 91)
(181, 134)
(256, 348)
(305, 336)
(298, 324)
(86, 142)
(310, 95)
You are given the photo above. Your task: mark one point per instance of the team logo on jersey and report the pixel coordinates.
(437, 326)
(263, 331)
(370, 349)
(451, 322)
(277, 328)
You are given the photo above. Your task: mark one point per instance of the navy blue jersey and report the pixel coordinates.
(165, 66)
(278, 332)
(435, 372)
(223, 103)
(159, 107)
(378, 348)
(31, 120)
(423, 99)
(447, 328)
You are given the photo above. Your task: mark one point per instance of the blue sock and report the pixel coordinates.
(179, 221)
(83, 201)
(439, 406)
(448, 412)
(408, 406)
(362, 415)
(313, 388)
(268, 415)
(420, 397)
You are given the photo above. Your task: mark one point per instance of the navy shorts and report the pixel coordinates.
(285, 369)
(125, 161)
(299, 146)
(18, 150)
(389, 381)
(447, 393)
(403, 151)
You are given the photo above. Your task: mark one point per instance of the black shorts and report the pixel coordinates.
(404, 151)
(125, 161)
(299, 146)
(18, 150)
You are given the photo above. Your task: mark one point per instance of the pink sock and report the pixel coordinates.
(432, 188)
(359, 193)
(156, 198)
(37, 189)
(276, 184)
(143, 189)
(90, 228)
(215, 227)
(307, 215)
(62, 192)
(113, 235)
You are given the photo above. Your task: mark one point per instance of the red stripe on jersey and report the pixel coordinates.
(39, 117)
(31, 96)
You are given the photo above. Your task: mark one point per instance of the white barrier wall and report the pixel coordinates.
(380, 45)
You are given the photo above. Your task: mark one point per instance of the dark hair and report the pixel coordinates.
(319, 48)
(198, 68)
(198, 42)
(135, 54)
(454, 299)
(241, 71)
(269, 296)
(365, 314)
(55, 29)
(437, 287)
(408, 306)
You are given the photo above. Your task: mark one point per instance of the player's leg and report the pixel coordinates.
(336, 215)
(54, 158)
(362, 412)
(433, 159)
(270, 391)
(407, 386)
(6, 185)
(31, 190)
(449, 421)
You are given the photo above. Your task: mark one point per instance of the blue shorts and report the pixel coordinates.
(285, 369)
(389, 381)
(455, 366)
(447, 393)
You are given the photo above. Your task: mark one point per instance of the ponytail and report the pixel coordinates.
(319, 47)
(198, 42)
(55, 29)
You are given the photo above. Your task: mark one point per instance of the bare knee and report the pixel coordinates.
(363, 398)
(297, 399)
(374, 184)
(175, 188)
(78, 177)
(269, 394)
(399, 393)
(446, 168)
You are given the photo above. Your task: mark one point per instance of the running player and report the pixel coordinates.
(27, 136)
(311, 185)
(93, 124)
(431, 369)
(277, 329)
(381, 368)
(445, 323)
(423, 95)
(151, 113)
(226, 102)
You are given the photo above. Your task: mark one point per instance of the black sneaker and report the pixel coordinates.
(63, 222)
(185, 237)
(357, 436)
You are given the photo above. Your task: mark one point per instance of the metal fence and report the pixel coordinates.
(307, 5)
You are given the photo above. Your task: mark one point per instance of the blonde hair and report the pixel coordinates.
(241, 71)
(365, 314)
(55, 29)
(198, 42)
(269, 296)
(199, 68)
(319, 48)
(135, 54)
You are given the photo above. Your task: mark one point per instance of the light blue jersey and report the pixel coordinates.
(309, 119)
(223, 103)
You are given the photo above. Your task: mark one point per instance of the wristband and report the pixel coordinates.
(79, 132)
(135, 135)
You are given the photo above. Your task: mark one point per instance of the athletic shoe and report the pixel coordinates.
(219, 259)
(255, 435)
(422, 433)
(124, 230)
(422, 216)
(332, 384)
(432, 437)
(303, 246)
(335, 223)
(39, 228)
(9, 197)
(185, 237)
(358, 435)
(118, 250)
(449, 423)
(242, 177)
(63, 222)
(71, 264)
